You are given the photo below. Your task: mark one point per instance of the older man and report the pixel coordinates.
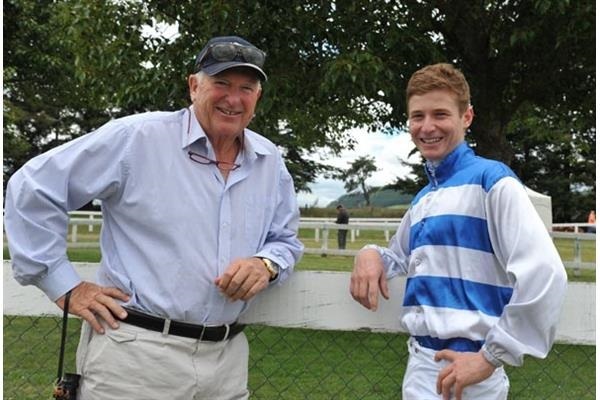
(199, 215)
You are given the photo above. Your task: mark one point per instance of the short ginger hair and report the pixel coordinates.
(440, 76)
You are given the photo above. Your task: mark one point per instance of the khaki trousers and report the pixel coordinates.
(422, 372)
(132, 363)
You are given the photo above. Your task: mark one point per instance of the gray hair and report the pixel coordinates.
(201, 75)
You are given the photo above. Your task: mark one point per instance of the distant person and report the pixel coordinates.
(199, 216)
(342, 218)
(592, 220)
(485, 283)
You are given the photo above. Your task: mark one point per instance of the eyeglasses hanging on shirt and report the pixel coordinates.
(222, 165)
(200, 159)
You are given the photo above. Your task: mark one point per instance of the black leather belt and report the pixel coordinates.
(169, 327)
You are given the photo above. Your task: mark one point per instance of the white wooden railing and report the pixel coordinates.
(324, 226)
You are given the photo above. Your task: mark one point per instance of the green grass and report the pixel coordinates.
(294, 364)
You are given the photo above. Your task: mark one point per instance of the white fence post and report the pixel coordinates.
(74, 233)
(324, 243)
(577, 257)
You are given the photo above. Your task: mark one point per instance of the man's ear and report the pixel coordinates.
(468, 117)
(192, 86)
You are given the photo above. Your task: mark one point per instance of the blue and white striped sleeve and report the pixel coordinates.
(395, 256)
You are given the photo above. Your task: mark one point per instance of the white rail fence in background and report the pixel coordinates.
(323, 226)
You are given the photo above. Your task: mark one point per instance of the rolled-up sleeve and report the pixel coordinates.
(40, 195)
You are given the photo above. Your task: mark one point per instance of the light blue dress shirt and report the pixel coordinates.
(170, 225)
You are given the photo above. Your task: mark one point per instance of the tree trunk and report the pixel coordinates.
(489, 135)
(365, 193)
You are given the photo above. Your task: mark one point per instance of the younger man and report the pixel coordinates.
(485, 282)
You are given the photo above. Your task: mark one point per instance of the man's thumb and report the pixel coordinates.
(383, 285)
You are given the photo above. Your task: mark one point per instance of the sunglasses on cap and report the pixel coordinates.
(224, 52)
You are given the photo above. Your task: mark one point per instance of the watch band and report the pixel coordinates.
(272, 267)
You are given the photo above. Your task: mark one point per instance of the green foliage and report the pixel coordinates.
(556, 155)
(103, 67)
(71, 65)
(530, 65)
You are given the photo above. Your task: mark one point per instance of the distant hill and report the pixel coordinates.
(379, 198)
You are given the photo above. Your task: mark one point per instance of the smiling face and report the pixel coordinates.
(224, 104)
(436, 124)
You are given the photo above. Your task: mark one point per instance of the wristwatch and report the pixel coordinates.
(272, 267)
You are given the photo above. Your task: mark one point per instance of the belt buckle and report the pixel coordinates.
(227, 330)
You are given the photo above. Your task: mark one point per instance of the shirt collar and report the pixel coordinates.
(192, 131)
(440, 171)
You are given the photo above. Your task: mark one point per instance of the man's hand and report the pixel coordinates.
(91, 302)
(465, 369)
(368, 279)
(243, 279)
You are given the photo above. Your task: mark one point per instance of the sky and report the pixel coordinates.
(387, 150)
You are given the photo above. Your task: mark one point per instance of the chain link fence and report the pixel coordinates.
(292, 363)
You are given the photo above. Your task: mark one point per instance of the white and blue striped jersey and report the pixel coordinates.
(482, 271)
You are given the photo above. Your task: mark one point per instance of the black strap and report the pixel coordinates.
(63, 338)
(201, 332)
